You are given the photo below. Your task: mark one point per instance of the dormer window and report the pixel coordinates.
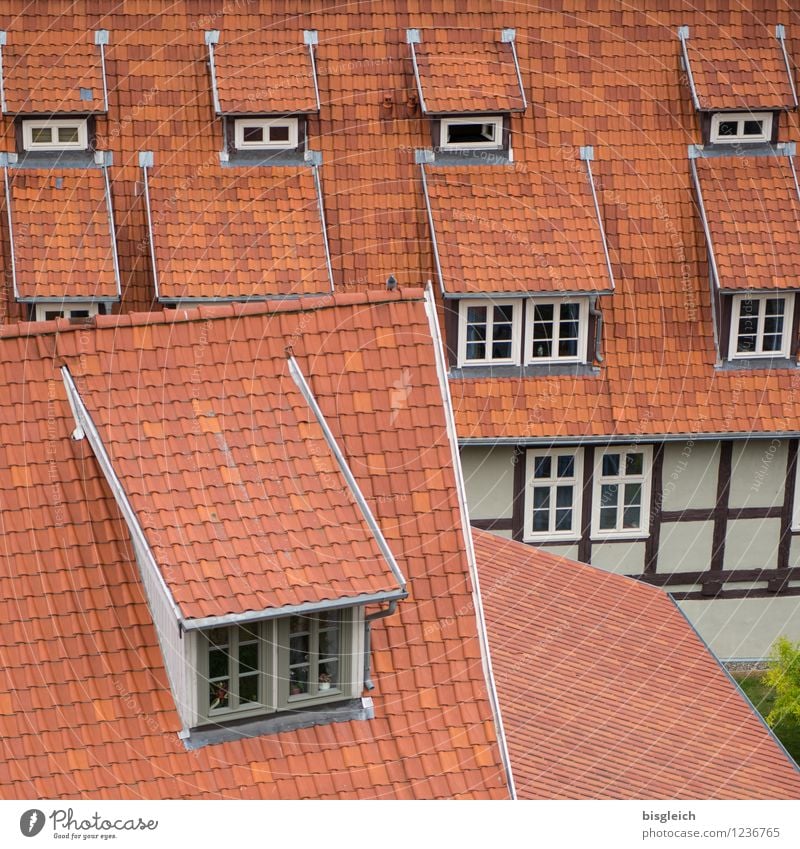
(558, 330)
(489, 331)
(740, 127)
(266, 133)
(479, 132)
(52, 311)
(55, 134)
(760, 326)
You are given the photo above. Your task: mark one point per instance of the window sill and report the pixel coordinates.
(276, 723)
(752, 363)
(288, 156)
(539, 370)
(552, 540)
(622, 536)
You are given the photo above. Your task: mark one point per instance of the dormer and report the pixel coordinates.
(739, 88)
(470, 91)
(264, 88)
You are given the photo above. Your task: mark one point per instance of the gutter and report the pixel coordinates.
(368, 620)
(622, 439)
(597, 315)
(483, 638)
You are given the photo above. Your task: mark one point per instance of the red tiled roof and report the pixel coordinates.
(734, 70)
(44, 71)
(237, 233)
(86, 709)
(752, 207)
(62, 233)
(264, 72)
(607, 692)
(461, 70)
(498, 230)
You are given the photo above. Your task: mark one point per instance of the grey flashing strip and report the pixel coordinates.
(212, 38)
(113, 232)
(146, 163)
(509, 36)
(12, 253)
(3, 42)
(311, 38)
(323, 223)
(683, 35)
(794, 175)
(240, 299)
(472, 563)
(413, 37)
(509, 296)
(780, 34)
(587, 154)
(735, 684)
(305, 389)
(101, 40)
(704, 219)
(431, 225)
(623, 439)
(293, 610)
(69, 300)
(760, 149)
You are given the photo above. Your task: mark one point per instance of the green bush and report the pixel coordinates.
(783, 676)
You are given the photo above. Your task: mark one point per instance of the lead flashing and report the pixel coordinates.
(111, 225)
(587, 155)
(706, 226)
(315, 164)
(780, 34)
(683, 35)
(311, 40)
(431, 225)
(101, 40)
(146, 163)
(413, 37)
(12, 255)
(212, 38)
(509, 36)
(3, 42)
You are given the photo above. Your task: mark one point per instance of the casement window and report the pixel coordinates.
(621, 497)
(265, 133)
(761, 326)
(489, 332)
(50, 312)
(738, 127)
(283, 664)
(557, 330)
(553, 494)
(52, 134)
(478, 132)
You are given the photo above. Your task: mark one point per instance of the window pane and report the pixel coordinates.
(608, 518)
(42, 135)
(298, 650)
(541, 521)
(634, 464)
(476, 315)
(745, 344)
(566, 466)
(218, 663)
(610, 464)
(218, 695)
(504, 313)
(543, 313)
(501, 351)
(542, 348)
(476, 351)
(279, 133)
(541, 467)
(563, 520)
(501, 332)
(248, 658)
(630, 517)
(609, 493)
(470, 133)
(476, 333)
(541, 497)
(774, 306)
(728, 128)
(753, 128)
(253, 135)
(248, 689)
(298, 681)
(568, 348)
(329, 643)
(563, 496)
(328, 675)
(218, 636)
(68, 135)
(633, 494)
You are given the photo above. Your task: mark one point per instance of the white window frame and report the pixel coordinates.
(576, 481)
(66, 307)
(446, 123)
(645, 479)
(583, 330)
(265, 124)
(788, 320)
(516, 329)
(796, 505)
(719, 117)
(29, 126)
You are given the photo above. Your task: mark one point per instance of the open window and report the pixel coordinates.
(266, 133)
(489, 332)
(55, 134)
(476, 132)
(740, 127)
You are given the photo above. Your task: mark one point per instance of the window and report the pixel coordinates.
(733, 127)
(760, 326)
(265, 133)
(621, 492)
(489, 332)
(50, 312)
(481, 132)
(558, 330)
(55, 135)
(283, 664)
(553, 497)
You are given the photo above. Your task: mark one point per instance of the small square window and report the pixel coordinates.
(732, 127)
(50, 312)
(481, 132)
(265, 133)
(55, 134)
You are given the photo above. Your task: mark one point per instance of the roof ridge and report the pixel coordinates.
(206, 312)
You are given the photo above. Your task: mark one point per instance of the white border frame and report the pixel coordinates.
(265, 124)
(34, 124)
(598, 481)
(583, 330)
(516, 330)
(446, 123)
(572, 535)
(65, 306)
(718, 117)
(788, 321)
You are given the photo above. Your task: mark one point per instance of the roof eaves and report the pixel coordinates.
(638, 437)
(683, 35)
(413, 37)
(305, 390)
(480, 619)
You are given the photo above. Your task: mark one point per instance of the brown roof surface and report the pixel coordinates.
(753, 211)
(264, 71)
(735, 69)
(461, 70)
(62, 233)
(44, 71)
(547, 238)
(607, 692)
(85, 707)
(237, 233)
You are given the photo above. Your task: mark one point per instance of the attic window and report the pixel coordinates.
(71, 134)
(489, 331)
(52, 311)
(558, 330)
(482, 132)
(265, 133)
(737, 127)
(760, 326)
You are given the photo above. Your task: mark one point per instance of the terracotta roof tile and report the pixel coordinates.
(51, 71)
(626, 701)
(237, 233)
